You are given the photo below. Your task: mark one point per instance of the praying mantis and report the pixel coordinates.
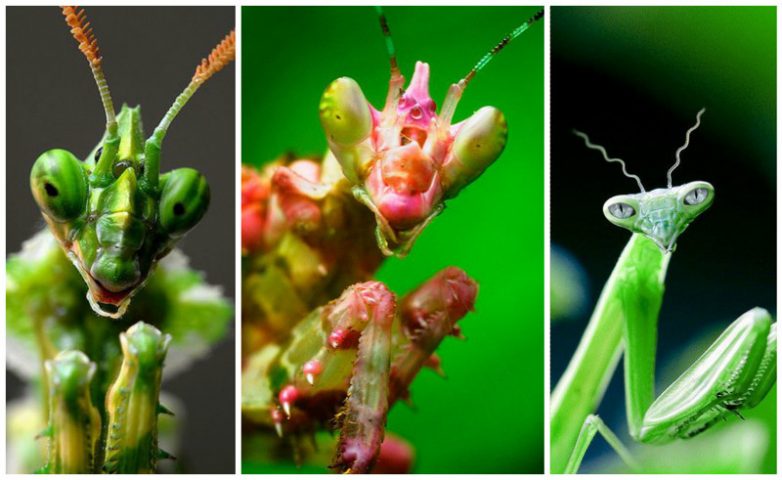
(734, 373)
(113, 223)
(316, 227)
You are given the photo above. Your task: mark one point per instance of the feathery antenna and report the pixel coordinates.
(683, 147)
(602, 150)
(221, 55)
(88, 44)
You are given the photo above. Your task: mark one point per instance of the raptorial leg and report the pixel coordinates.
(364, 417)
(429, 314)
(74, 423)
(353, 351)
(593, 425)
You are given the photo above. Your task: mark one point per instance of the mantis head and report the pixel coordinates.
(406, 159)
(661, 214)
(115, 215)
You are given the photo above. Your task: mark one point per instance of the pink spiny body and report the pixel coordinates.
(314, 231)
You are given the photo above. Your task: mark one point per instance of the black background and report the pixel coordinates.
(149, 56)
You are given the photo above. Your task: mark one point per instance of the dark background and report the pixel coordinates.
(633, 79)
(149, 56)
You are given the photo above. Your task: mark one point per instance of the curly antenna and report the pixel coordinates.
(602, 150)
(88, 44)
(683, 147)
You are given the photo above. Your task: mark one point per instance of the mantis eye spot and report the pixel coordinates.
(98, 153)
(621, 210)
(51, 190)
(696, 196)
(179, 209)
(338, 117)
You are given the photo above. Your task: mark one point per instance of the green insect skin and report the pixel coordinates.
(116, 222)
(132, 402)
(74, 423)
(735, 372)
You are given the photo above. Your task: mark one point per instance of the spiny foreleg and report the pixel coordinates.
(74, 423)
(133, 405)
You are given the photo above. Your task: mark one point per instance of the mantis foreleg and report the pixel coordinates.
(641, 268)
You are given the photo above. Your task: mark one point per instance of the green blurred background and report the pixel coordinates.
(633, 78)
(487, 417)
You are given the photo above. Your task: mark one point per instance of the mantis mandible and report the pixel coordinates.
(734, 373)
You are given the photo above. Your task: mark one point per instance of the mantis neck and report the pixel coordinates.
(631, 298)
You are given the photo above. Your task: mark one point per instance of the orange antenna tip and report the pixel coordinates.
(82, 32)
(221, 55)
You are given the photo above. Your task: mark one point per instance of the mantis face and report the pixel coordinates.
(406, 159)
(661, 214)
(114, 214)
(115, 227)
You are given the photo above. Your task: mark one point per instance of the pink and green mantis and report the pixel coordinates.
(734, 373)
(114, 217)
(315, 231)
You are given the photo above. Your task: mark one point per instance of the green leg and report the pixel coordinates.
(641, 268)
(593, 425)
(640, 294)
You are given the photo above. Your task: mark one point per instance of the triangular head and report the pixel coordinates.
(114, 214)
(661, 214)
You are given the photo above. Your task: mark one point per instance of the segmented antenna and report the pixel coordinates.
(221, 56)
(503, 43)
(389, 40)
(88, 44)
(602, 150)
(683, 147)
(457, 89)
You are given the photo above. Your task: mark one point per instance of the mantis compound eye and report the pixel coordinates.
(59, 185)
(477, 145)
(696, 196)
(344, 112)
(621, 210)
(183, 201)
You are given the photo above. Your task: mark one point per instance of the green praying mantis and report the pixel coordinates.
(734, 373)
(116, 219)
(115, 215)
